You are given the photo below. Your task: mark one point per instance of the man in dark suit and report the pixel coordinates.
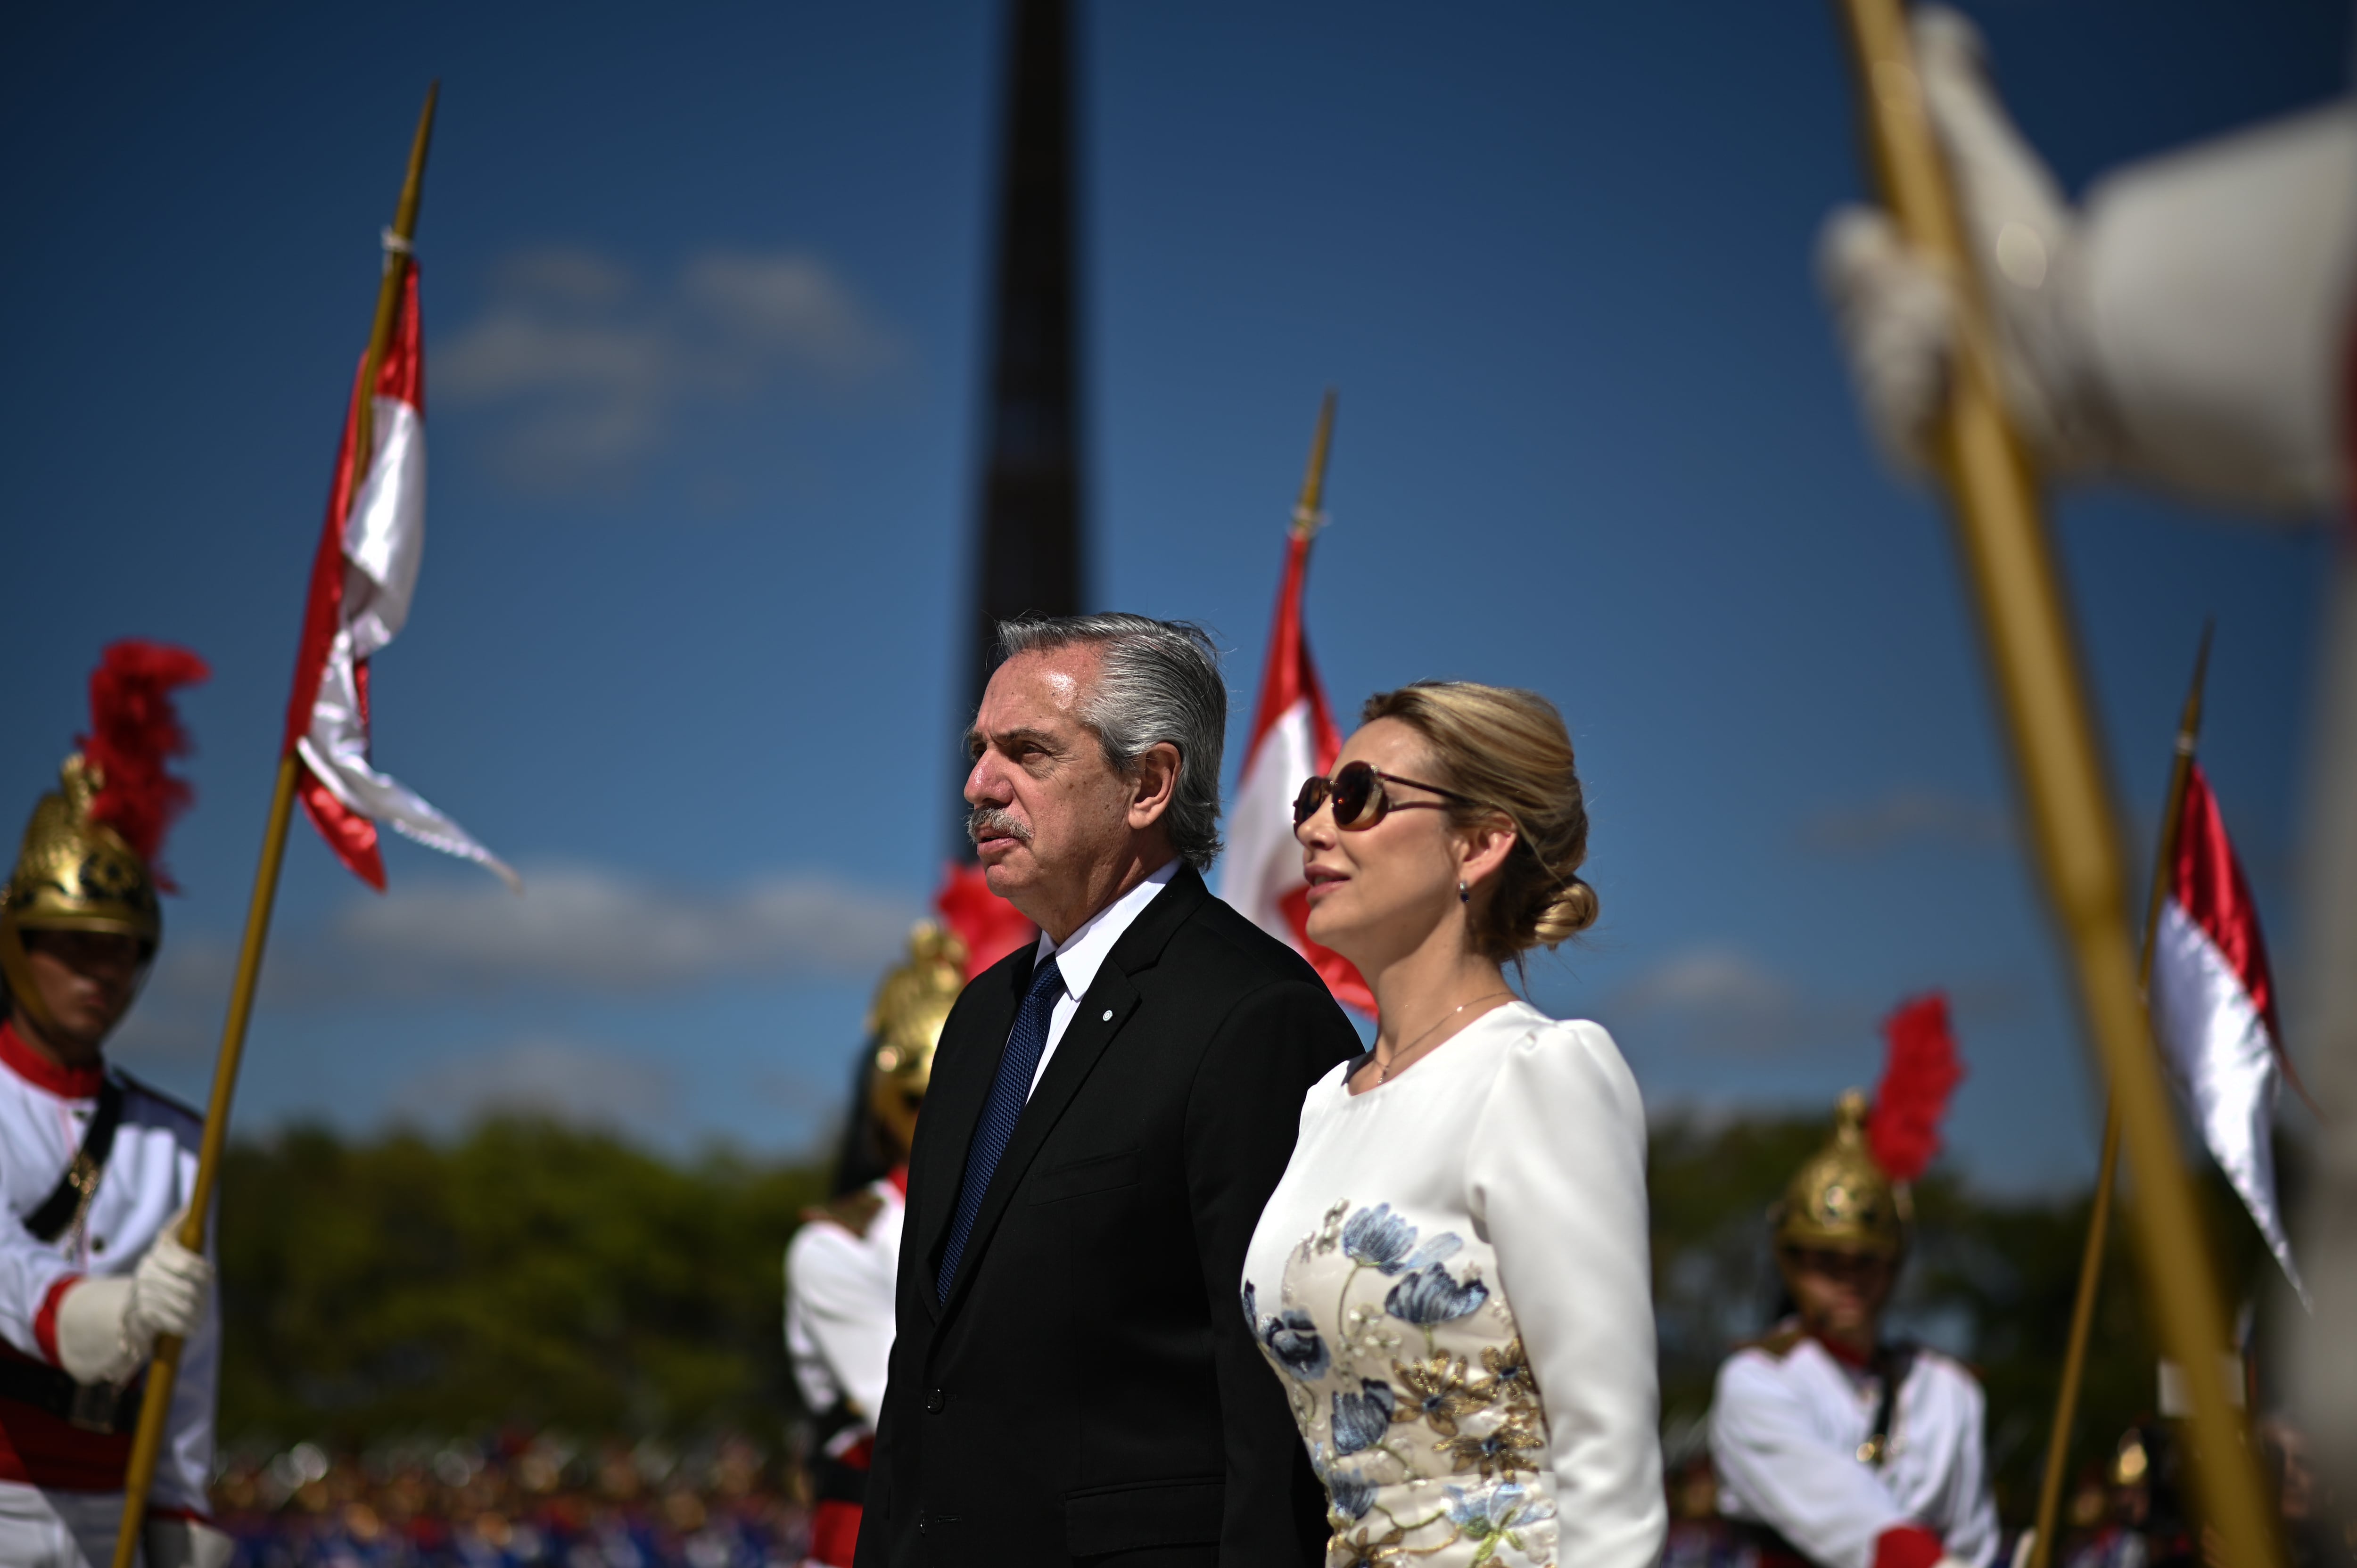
(1073, 1381)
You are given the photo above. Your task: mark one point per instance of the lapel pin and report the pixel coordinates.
(1108, 1017)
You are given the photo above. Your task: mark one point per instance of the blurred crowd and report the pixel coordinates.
(543, 1499)
(519, 1501)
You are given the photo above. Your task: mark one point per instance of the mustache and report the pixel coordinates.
(999, 824)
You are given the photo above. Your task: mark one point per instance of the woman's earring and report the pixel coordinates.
(1464, 894)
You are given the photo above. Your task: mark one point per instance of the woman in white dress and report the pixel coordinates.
(1451, 1280)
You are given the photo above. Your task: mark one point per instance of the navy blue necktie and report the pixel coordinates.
(1008, 1093)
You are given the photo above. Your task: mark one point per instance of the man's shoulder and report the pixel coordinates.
(145, 1105)
(1938, 1370)
(1217, 939)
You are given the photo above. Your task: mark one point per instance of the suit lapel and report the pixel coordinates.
(954, 1101)
(1108, 1007)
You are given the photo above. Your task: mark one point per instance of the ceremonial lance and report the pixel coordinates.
(147, 1442)
(2034, 664)
(2099, 1217)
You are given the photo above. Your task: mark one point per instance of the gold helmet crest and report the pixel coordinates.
(76, 874)
(1840, 1200)
(911, 1004)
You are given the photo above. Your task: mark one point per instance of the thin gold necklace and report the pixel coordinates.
(1383, 1070)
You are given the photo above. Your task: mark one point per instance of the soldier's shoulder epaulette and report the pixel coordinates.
(1777, 1343)
(170, 1102)
(854, 1212)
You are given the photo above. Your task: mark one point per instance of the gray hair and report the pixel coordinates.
(1160, 682)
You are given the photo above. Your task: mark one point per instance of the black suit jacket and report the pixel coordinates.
(1090, 1387)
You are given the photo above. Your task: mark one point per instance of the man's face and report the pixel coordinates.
(1840, 1295)
(86, 980)
(1047, 809)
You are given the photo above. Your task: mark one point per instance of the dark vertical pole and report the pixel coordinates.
(1029, 531)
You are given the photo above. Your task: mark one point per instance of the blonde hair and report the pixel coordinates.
(1507, 751)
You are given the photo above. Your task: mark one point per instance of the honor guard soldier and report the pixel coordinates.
(95, 1168)
(843, 1266)
(1837, 1447)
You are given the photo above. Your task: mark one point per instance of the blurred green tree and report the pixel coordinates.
(526, 1273)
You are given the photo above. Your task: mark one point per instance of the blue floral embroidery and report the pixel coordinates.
(1379, 1238)
(1428, 1297)
(1376, 1236)
(1293, 1339)
(1351, 1493)
(1361, 1419)
(1488, 1515)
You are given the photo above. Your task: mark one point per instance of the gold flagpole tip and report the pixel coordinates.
(1307, 517)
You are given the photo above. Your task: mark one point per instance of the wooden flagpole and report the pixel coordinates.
(163, 1372)
(1308, 515)
(2042, 693)
(2099, 1219)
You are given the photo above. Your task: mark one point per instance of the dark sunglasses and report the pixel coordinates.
(1360, 799)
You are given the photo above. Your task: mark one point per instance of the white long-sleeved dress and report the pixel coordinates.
(1452, 1281)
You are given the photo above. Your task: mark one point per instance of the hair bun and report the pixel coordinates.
(1567, 915)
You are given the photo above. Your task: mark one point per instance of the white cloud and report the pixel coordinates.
(1708, 979)
(580, 929)
(587, 368)
(580, 926)
(1715, 999)
(1908, 815)
(1720, 1000)
(540, 1076)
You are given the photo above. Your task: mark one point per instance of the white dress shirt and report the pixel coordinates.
(1084, 953)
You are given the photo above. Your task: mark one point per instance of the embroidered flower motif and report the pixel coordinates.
(1350, 1494)
(1428, 1297)
(1361, 1419)
(1489, 1514)
(1510, 1448)
(1364, 1549)
(1438, 1392)
(1329, 1229)
(1364, 1333)
(1511, 1366)
(1380, 1239)
(1292, 1338)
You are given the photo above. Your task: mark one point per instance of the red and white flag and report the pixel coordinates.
(361, 582)
(1293, 736)
(2213, 1006)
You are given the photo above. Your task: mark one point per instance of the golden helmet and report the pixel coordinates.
(76, 874)
(1840, 1200)
(87, 863)
(905, 1021)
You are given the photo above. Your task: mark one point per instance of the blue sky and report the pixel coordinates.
(703, 288)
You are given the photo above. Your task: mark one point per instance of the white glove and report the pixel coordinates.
(2187, 330)
(168, 1288)
(107, 1328)
(186, 1544)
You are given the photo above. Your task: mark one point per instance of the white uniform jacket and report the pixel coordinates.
(149, 1172)
(841, 1269)
(1786, 1424)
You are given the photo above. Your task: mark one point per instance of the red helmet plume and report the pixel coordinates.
(1919, 1074)
(134, 732)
